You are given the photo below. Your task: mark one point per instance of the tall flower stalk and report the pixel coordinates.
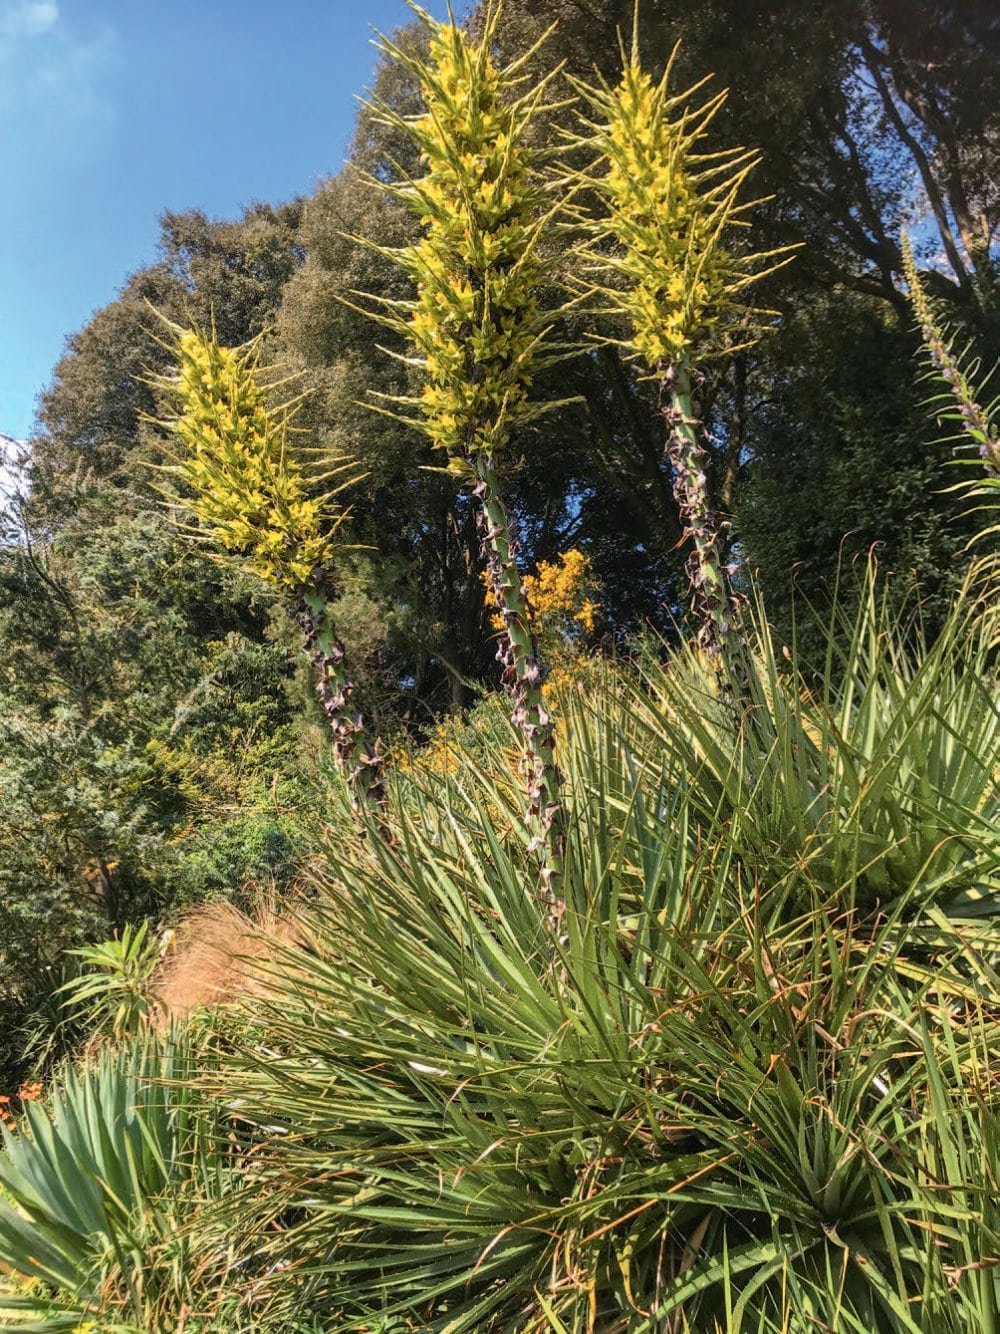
(477, 334)
(660, 257)
(957, 369)
(249, 496)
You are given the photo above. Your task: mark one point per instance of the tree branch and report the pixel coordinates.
(873, 61)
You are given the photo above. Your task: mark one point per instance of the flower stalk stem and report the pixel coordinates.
(523, 677)
(711, 597)
(359, 763)
(976, 420)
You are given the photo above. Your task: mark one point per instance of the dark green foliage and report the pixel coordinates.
(844, 432)
(148, 740)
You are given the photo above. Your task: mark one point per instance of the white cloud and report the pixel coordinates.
(53, 97)
(27, 18)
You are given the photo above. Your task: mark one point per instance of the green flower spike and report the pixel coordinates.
(957, 369)
(659, 257)
(476, 332)
(248, 495)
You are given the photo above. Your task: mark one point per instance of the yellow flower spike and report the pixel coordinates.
(660, 255)
(956, 369)
(250, 497)
(481, 202)
(667, 208)
(478, 331)
(245, 488)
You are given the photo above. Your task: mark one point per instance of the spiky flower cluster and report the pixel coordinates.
(475, 322)
(246, 490)
(955, 369)
(667, 208)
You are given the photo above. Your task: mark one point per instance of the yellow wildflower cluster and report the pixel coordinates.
(440, 753)
(668, 205)
(247, 491)
(475, 322)
(571, 672)
(456, 741)
(559, 597)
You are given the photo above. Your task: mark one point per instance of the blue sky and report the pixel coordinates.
(113, 110)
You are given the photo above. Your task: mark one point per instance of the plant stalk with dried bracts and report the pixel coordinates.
(250, 496)
(958, 368)
(477, 333)
(658, 259)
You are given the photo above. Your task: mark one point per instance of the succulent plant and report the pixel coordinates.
(660, 257)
